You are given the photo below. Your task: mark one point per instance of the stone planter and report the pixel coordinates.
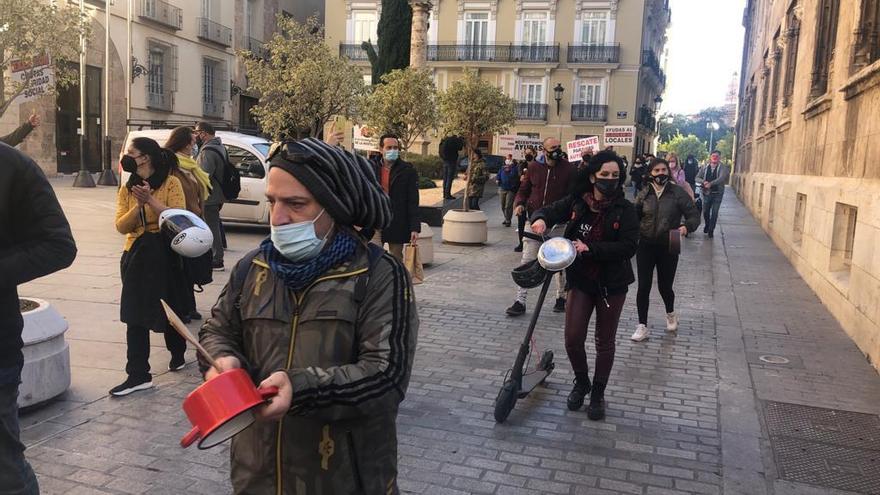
(426, 244)
(46, 371)
(465, 227)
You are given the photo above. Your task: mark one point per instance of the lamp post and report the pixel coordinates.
(712, 126)
(108, 177)
(557, 92)
(83, 177)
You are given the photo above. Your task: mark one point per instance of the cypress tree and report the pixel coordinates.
(395, 30)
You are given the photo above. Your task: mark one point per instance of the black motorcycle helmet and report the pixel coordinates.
(529, 275)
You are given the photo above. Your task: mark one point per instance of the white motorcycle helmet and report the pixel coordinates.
(189, 235)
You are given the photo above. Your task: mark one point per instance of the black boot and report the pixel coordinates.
(580, 390)
(596, 409)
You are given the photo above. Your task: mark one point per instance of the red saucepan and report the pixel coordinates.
(222, 407)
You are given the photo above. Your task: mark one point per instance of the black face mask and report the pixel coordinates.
(199, 141)
(660, 180)
(129, 164)
(530, 157)
(607, 186)
(555, 155)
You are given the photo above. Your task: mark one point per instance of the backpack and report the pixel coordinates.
(231, 179)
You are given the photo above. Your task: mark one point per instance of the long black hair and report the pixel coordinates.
(164, 161)
(582, 183)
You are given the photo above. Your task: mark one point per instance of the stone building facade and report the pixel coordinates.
(808, 139)
(603, 54)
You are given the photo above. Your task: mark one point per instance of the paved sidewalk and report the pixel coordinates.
(698, 412)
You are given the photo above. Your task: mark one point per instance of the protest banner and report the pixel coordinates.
(620, 135)
(579, 147)
(516, 145)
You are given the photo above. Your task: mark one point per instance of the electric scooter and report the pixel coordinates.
(554, 255)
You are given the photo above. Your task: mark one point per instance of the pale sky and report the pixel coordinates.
(704, 45)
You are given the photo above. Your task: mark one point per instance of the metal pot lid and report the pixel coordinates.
(556, 254)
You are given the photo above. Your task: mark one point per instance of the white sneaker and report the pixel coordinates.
(671, 322)
(640, 334)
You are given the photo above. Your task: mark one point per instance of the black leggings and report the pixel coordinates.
(649, 256)
(137, 339)
(579, 308)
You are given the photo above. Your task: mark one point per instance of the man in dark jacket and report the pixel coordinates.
(329, 320)
(212, 159)
(546, 181)
(18, 135)
(712, 178)
(450, 146)
(35, 240)
(400, 181)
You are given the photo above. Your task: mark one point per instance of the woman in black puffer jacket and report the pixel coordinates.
(605, 229)
(661, 205)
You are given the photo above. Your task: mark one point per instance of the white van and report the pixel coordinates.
(248, 155)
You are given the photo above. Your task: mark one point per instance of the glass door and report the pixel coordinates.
(477, 35)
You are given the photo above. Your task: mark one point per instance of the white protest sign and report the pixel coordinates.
(620, 135)
(516, 145)
(579, 147)
(364, 139)
(39, 76)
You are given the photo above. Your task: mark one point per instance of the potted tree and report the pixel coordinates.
(472, 107)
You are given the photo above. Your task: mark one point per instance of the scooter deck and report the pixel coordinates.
(532, 380)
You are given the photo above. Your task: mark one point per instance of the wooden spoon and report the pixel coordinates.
(178, 325)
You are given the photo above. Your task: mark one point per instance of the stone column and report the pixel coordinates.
(418, 51)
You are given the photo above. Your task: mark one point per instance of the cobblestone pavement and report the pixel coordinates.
(687, 413)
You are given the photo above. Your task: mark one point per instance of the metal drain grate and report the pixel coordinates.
(825, 447)
(815, 424)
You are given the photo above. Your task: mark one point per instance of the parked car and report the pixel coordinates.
(493, 163)
(247, 154)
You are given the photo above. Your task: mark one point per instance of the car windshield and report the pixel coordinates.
(263, 148)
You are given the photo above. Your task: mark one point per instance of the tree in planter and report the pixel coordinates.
(405, 105)
(302, 84)
(473, 107)
(35, 31)
(394, 31)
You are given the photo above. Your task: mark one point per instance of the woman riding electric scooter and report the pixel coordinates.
(604, 228)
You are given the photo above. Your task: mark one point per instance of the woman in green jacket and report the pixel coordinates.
(477, 180)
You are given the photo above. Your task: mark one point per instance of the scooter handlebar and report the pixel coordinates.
(533, 236)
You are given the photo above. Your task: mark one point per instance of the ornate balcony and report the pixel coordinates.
(589, 113)
(214, 31)
(494, 53)
(353, 51)
(531, 111)
(594, 54)
(161, 12)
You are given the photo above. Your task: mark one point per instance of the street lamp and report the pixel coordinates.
(712, 126)
(557, 92)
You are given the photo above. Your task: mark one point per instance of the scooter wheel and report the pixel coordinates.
(546, 363)
(506, 400)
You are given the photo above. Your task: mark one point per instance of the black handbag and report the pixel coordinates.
(199, 270)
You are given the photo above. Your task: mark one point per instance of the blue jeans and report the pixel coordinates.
(16, 475)
(449, 171)
(711, 205)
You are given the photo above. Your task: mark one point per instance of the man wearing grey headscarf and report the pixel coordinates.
(328, 319)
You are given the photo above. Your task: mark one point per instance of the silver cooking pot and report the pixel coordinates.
(556, 254)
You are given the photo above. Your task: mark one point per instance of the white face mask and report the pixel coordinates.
(298, 241)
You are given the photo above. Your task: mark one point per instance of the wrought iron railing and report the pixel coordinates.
(594, 54)
(494, 53)
(589, 112)
(650, 60)
(647, 118)
(257, 47)
(214, 31)
(162, 12)
(159, 101)
(531, 111)
(352, 51)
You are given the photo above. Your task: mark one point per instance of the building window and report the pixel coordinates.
(765, 91)
(589, 92)
(793, 31)
(867, 46)
(843, 237)
(365, 25)
(534, 28)
(772, 208)
(214, 83)
(162, 75)
(595, 27)
(800, 214)
(476, 28)
(826, 34)
(531, 91)
(774, 82)
(761, 198)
